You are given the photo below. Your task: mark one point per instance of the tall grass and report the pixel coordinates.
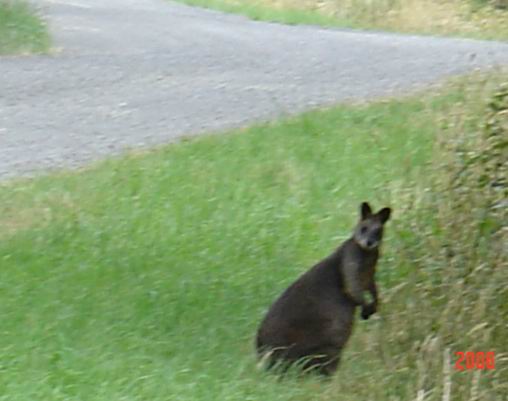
(145, 276)
(21, 29)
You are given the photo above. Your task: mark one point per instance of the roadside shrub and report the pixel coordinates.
(452, 248)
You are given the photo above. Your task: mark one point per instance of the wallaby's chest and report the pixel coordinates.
(358, 270)
(366, 276)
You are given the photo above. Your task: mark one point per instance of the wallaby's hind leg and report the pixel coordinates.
(277, 359)
(330, 367)
(324, 362)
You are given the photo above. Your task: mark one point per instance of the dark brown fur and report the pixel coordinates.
(312, 320)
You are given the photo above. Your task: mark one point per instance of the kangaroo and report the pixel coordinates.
(312, 320)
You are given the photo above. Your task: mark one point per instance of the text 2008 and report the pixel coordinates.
(475, 360)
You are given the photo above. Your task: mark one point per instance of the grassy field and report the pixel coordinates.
(474, 18)
(144, 277)
(21, 29)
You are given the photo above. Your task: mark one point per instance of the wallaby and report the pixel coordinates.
(313, 319)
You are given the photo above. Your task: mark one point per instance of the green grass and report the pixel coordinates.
(262, 12)
(475, 19)
(144, 277)
(21, 29)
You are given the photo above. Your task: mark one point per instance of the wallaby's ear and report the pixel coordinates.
(384, 214)
(365, 209)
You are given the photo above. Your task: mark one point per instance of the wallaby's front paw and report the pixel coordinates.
(368, 310)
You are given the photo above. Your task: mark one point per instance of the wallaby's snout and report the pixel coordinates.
(369, 231)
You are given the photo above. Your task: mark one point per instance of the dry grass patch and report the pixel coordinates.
(475, 18)
(423, 16)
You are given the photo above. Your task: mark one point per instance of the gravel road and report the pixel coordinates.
(135, 73)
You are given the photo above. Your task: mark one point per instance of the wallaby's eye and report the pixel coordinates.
(363, 230)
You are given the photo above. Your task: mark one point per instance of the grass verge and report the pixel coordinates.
(261, 11)
(476, 19)
(21, 29)
(145, 277)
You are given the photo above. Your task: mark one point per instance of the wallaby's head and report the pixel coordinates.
(369, 231)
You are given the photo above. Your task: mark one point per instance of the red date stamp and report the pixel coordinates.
(475, 360)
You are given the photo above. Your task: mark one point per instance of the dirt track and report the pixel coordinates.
(131, 73)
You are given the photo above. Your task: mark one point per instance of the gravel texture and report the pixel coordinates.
(135, 73)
